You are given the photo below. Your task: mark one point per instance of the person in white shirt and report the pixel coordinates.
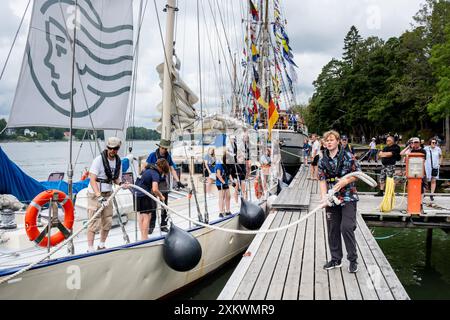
(432, 164)
(104, 171)
(373, 150)
(315, 150)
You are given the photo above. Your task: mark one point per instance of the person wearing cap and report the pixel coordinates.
(413, 146)
(104, 171)
(163, 153)
(373, 150)
(347, 147)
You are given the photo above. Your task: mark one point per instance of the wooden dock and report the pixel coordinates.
(288, 265)
(291, 198)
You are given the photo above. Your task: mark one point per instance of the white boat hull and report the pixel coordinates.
(136, 271)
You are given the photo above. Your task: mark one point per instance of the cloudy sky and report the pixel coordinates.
(316, 29)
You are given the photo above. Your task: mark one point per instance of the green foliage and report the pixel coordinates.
(440, 61)
(141, 133)
(399, 85)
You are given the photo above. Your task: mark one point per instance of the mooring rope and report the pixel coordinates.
(358, 174)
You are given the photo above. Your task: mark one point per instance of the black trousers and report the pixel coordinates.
(341, 221)
(163, 213)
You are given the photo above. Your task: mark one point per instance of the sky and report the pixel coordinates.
(316, 29)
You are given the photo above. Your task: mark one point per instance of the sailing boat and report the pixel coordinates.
(95, 96)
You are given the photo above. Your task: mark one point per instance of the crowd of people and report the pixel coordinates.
(331, 158)
(388, 154)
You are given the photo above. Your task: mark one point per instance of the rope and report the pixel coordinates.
(386, 237)
(292, 154)
(225, 229)
(358, 174)
(388, 201)
(62, 244)
(14, 40)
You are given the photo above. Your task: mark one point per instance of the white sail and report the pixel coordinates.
(103, 55)
(182, 112)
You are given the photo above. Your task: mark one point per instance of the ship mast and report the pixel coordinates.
(167, 84)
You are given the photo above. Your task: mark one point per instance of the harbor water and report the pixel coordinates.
(404, 248)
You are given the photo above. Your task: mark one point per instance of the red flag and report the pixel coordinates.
(253, 11)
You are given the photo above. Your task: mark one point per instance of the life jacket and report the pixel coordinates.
(110, 176)
(331, 174)
(159, 156)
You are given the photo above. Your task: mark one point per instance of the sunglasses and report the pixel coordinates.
(115, 148)
(433, 142)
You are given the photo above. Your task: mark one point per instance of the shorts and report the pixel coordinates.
(231, 168)
(104, 219)
(387, 171)
(315, 161)
(145, 205)
(242, 171)
(223, 187)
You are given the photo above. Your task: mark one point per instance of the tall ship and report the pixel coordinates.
(79, 71)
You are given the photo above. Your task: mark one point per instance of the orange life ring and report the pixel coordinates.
(32, 212)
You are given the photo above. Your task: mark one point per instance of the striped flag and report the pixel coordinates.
(253, 11)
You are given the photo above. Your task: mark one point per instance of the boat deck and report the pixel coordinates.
(287, 265)
(30, 252)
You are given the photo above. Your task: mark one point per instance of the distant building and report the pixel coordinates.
(28, 132)
(10, 132)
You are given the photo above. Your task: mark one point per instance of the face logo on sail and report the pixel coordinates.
(103, 55)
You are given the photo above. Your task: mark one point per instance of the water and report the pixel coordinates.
(405, 252)
(404, 248)
(39, 159)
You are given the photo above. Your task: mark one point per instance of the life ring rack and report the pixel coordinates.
(35, 207)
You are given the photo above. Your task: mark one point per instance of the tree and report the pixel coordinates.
(351, 45)
(440, 61)
(433, 17)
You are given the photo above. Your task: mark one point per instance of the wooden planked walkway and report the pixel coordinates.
(287, 265)
(297, 195)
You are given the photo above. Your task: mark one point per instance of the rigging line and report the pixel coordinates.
(234, 26)
(14, 41)
(201, 107)
(220, 42)
(216, 74)
(184, 35)
(79, 149)
(176, 24)
(135, 73)
(199, 214)
(285, 91)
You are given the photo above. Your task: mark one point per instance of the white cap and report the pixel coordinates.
(113, 142)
